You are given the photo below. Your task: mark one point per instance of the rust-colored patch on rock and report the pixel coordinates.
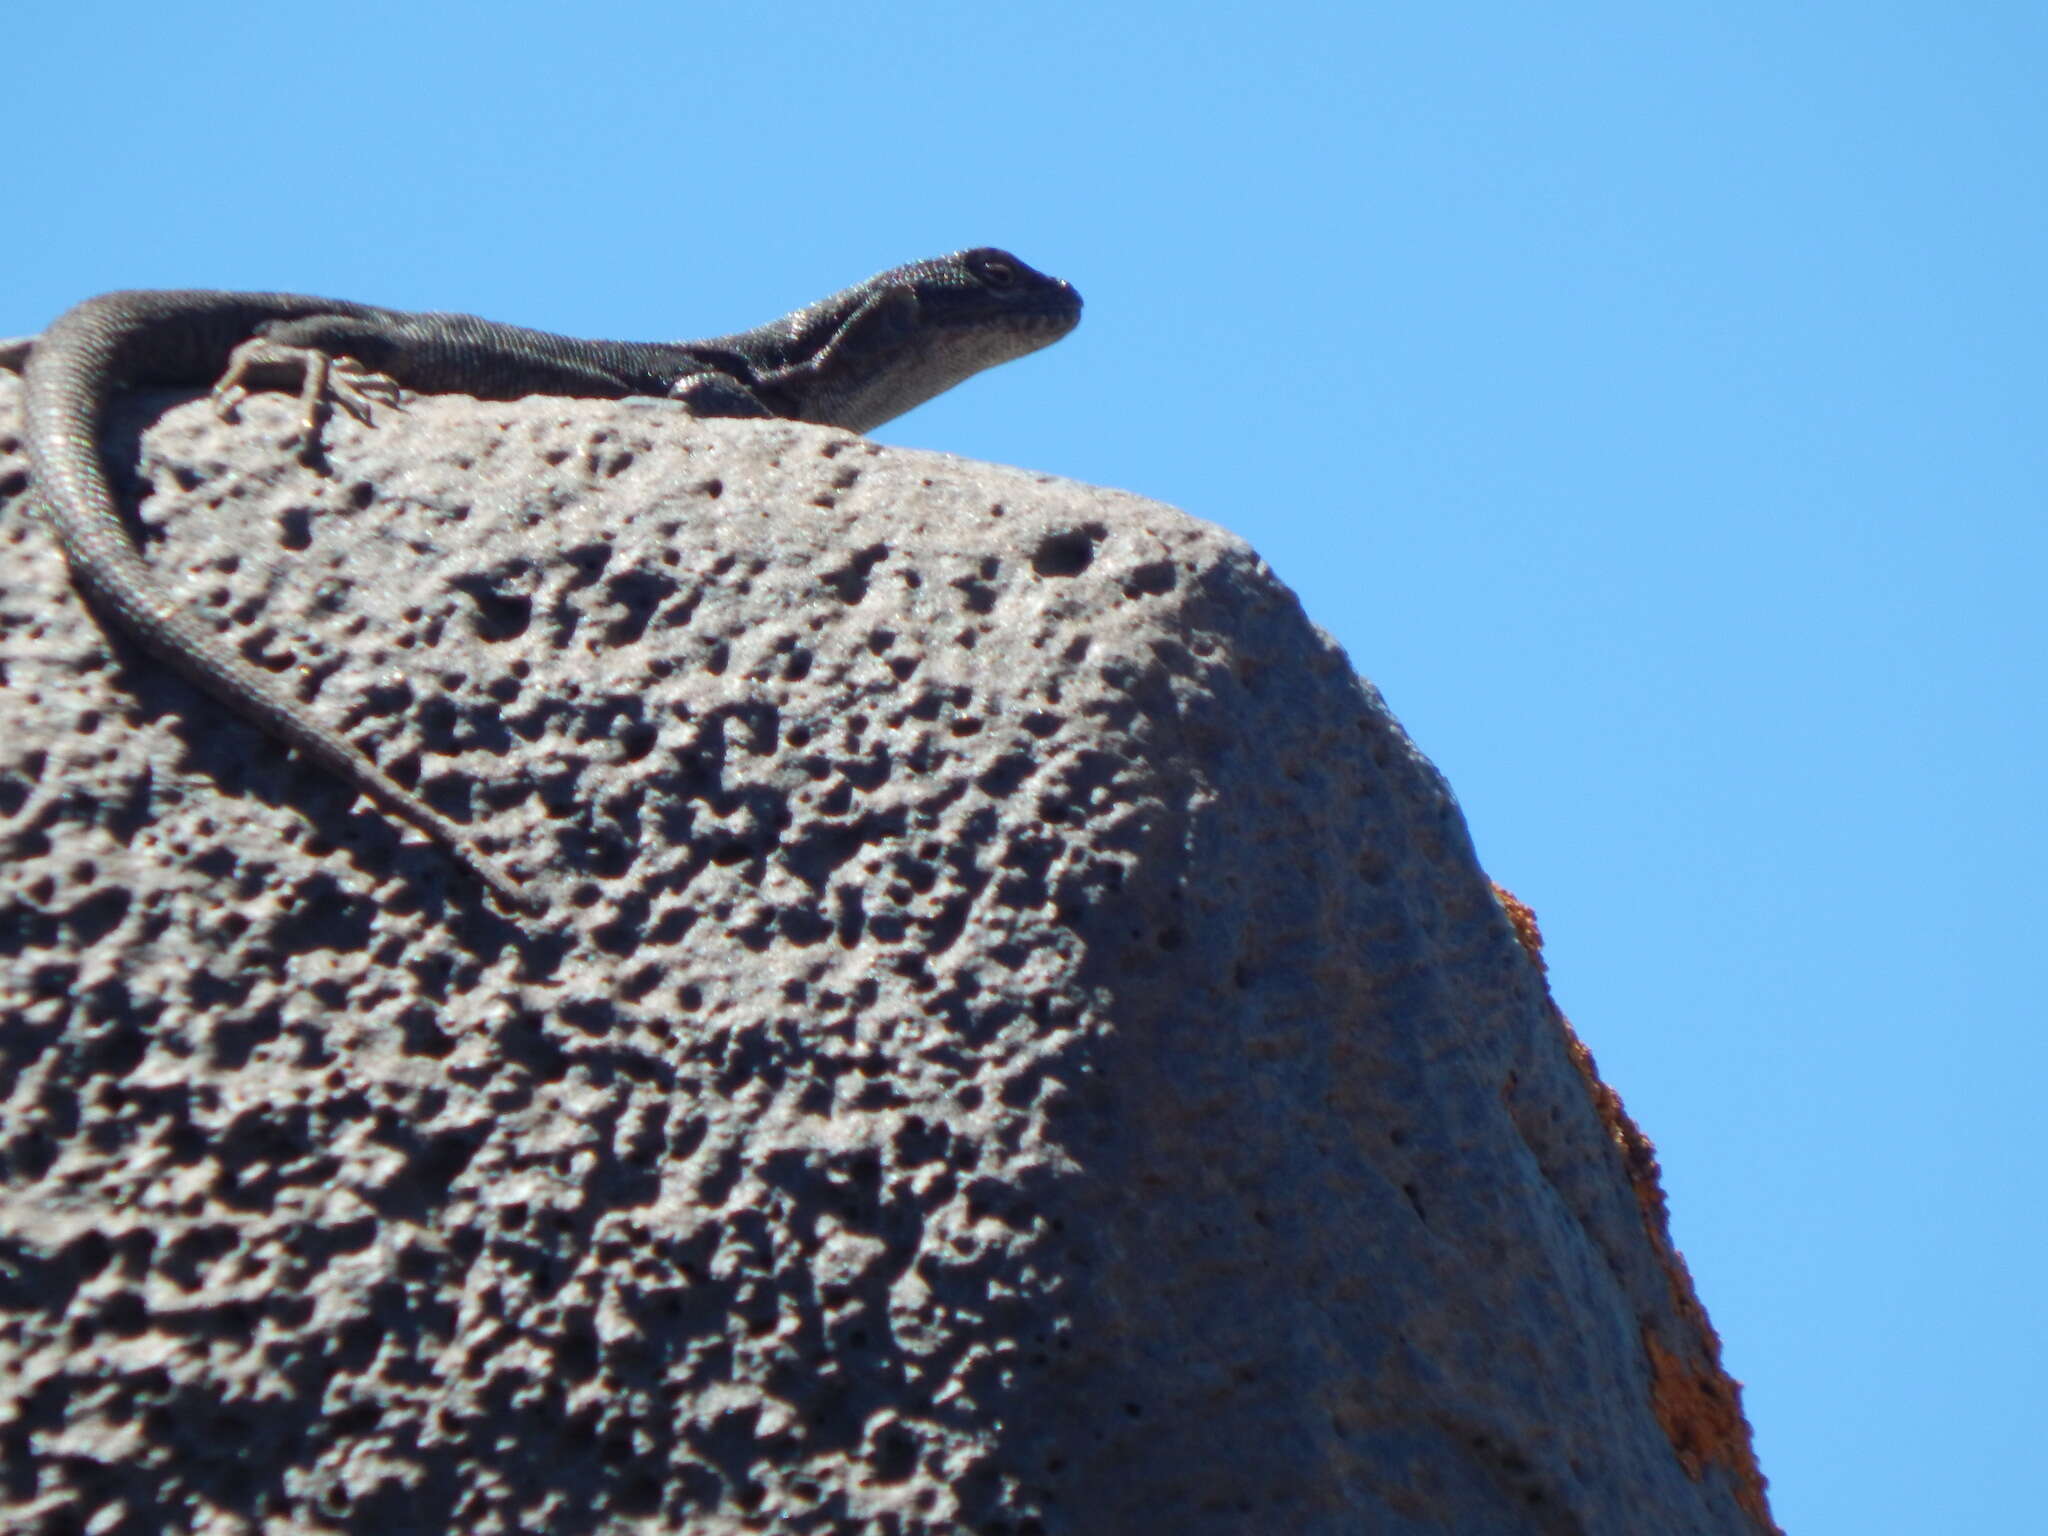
(1697, 1402)
(1700, 1407)
(1527, 933)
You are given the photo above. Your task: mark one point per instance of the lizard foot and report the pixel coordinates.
(324, 380)
(714, 394)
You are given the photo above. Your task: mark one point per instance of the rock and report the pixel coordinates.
(1021, 1042)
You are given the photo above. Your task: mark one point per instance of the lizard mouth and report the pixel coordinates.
(1047, 325)
(1013, 330)
(1051, 313)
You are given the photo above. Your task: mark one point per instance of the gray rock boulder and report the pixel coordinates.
(1020, 1044)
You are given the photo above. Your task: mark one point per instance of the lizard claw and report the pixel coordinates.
(227, 399)
(324, 381)
(352, 387)
(255, 356)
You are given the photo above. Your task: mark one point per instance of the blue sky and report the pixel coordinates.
(1651, 400)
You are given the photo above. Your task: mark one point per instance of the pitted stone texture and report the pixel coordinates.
(1021, 1043)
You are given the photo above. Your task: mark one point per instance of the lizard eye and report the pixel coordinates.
(996, 272)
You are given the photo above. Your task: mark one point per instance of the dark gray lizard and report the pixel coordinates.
(854, 360)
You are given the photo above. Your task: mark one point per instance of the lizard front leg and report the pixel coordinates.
(711, 393)
(325, 379)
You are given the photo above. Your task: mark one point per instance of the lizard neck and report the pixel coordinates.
(873, 351)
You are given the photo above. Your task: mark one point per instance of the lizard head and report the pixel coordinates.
(867, 355)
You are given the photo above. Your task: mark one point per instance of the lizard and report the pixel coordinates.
(855, 359)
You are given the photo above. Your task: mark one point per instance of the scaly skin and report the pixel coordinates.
(854, 360)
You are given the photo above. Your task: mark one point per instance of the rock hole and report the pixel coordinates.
(1151, 579)
(850, 581)
(1068, 552)
(499, 615)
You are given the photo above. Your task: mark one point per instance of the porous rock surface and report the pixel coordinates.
(1020, 1043)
